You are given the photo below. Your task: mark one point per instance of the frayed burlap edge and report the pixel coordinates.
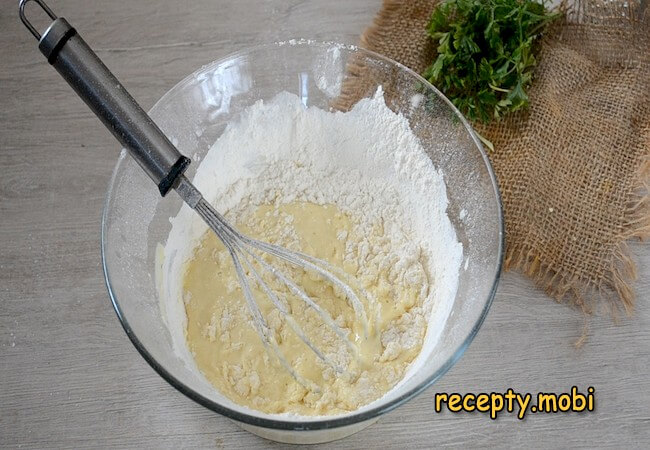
(615, 290)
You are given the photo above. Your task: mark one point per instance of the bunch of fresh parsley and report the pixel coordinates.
(486, 53)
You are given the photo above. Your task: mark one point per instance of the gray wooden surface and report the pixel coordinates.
(69, 377)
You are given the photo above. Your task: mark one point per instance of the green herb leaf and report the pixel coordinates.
(486, 53)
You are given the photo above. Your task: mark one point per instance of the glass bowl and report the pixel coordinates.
(195, 112)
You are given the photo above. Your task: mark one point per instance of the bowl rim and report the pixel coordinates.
(323, 422)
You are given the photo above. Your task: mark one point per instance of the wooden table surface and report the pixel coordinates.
(69, 377)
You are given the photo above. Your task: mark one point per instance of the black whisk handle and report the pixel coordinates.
(78, 64)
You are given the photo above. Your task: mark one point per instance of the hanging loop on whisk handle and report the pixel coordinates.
(75, 61)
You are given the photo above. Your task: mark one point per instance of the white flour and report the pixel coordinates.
(368, 163)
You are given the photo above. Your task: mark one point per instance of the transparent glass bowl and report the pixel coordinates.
(195, 112)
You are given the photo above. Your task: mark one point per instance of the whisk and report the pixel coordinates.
(160, 159)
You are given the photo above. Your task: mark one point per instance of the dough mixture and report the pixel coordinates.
(354, 189)
(230, 353)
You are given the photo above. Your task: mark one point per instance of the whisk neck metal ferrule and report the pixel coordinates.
(187, 191)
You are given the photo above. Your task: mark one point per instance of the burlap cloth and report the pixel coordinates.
(573, 169)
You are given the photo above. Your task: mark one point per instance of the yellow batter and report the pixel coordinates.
(230, 353)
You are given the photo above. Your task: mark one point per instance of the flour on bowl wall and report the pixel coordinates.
(368, 174)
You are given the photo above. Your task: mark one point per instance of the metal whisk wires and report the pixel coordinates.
(244, 251)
